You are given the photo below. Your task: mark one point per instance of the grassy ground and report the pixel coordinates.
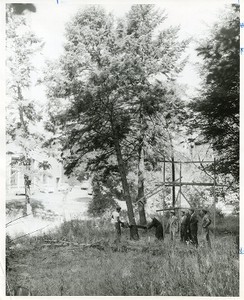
(142, 268)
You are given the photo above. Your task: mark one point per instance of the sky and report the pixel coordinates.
(194, 17)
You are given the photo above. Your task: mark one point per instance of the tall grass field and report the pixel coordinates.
(81, 259)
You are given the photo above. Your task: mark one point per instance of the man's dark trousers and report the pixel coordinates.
(183, 233)
(193, 231)
(117, 232)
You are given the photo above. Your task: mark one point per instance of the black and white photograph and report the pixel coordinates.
(122, 128)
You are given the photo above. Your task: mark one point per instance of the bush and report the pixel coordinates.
(35, 204)
(227, 225)
(81, 231)
(100, 202)
(15, 206)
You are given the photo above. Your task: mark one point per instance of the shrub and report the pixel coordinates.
(15, 206)
(227, 225)
(100, 202)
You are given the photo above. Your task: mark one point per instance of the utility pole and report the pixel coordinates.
(214, 197)
(180, 198)
(173, 180)
(164, 195)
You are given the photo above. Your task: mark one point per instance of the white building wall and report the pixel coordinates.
(54, 175)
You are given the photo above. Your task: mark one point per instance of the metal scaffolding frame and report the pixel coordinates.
(179, 183)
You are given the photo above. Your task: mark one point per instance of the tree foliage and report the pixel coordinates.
(23, 114)
(21, 46)
(217, 107)
(109, 73)
(102, 199)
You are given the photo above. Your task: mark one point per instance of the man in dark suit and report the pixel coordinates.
(188, 232)
(193, 227)
(183, 227)
(159, 233)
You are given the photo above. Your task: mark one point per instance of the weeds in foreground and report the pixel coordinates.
(147, 267)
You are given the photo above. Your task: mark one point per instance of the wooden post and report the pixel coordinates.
(173, 180)
(214, 200)
(185, 198)
(164, 195)
(180, 201)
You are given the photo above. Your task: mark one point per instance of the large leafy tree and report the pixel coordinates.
(217, 107)
(96, 119)
(150, 56)
(108, 73)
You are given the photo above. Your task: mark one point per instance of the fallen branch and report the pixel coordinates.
(50, 243)
(30, 233)
(120, 247)
(16, 219)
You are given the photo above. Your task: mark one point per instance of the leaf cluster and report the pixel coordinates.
(217, 107)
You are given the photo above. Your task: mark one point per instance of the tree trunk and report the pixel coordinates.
(140, 195)
(133, 229)
(21, 112)
(173, 180)
(27, 193)
(27, 180)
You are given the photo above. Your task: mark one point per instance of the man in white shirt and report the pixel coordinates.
(206, 221)
(173, 225)
(115, 220)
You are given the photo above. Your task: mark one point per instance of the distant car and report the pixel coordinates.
(47, 189)
(63, 187)
(89, 192)
(85, 185)
(20, 191)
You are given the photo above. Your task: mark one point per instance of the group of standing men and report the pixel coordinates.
(188, 226)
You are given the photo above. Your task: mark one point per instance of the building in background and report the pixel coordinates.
(42, 179)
